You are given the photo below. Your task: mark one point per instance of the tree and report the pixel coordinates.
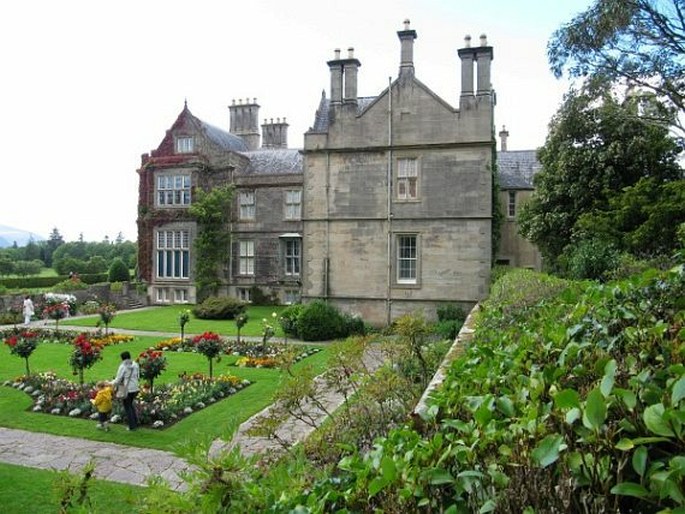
(595, 148)
(118, 271)
(212, 211)
(637, 43)
(54, 241)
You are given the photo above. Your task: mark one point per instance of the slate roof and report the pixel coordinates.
(321, 118)
(517, 168)
(274, 161)
(224, 139)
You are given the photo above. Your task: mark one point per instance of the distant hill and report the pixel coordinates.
(8, 235)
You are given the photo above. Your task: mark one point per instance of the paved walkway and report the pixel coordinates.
(120, 463)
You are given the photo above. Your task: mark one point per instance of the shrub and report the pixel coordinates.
(118, 271)
(450, 312)
(215, 307)
(320, 321)
(259, 297)
(289, 317)
(448, 329)
(593, 259)
(353, 325)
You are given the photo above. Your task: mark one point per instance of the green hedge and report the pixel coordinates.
(37, 282)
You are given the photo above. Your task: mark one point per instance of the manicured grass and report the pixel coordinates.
(165, 319)
(30, 490)
(215, 421)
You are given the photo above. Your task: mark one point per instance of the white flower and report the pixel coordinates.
(28, 389)
(187, 410)
(75, 412)
(158, 424)
(55, 411)
(36, 393)
(37, 408)
(94, 415)
(199, 405)
(231, 391)
(115, 419)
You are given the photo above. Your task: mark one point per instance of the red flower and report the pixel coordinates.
(11, 341)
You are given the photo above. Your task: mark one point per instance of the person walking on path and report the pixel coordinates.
(103, 404)
(28, 310)
(126, 386)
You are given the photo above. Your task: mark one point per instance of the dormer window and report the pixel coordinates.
(184, 144)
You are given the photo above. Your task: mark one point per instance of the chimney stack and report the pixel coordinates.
(244, 121)
(350, 67)
(275, 135)
(504, 134)
(407, 38)
(336, 78)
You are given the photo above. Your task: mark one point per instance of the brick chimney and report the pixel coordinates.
(244, 122)
(483, 57)
(350, 67)
(336, 78)
(275, 135)
(407, 38)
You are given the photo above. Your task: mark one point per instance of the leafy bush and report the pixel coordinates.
(259, 297)
(449, 312)
(447, 329)
(320, 321)
(591, 259)
(219, 307)
(289, 317)
(353, 325)
(118, 271)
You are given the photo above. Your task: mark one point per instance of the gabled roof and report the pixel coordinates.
(223, 139)
(517, 168)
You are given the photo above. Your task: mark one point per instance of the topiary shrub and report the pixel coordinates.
(219, 307)
(118, 271)
(288, 319)
(320, 321)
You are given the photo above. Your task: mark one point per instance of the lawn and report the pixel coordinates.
(33, 490)
(165, 319)
(214, 421)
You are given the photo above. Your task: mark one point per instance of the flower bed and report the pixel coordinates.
(159, 409)
(46, 335)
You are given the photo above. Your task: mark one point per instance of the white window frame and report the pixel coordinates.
(407, 258)
(185, 144)
(292, 257)
(511, 204)
(291, 296)
(408, 179)
(248, 204)
(173, 190)
(293, 204)
(180, 296)
(244, 294)
(246, 257)
(172, 254)
(162, 295)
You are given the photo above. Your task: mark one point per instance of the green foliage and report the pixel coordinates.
(450, 311)
(596, 147)
(26, 268)
(91, 257)
(592, 259)
(118, 271)
(289, 317)
(219, 307)
(211, 209)
(639, 43)
(259, 297)
(320, 321)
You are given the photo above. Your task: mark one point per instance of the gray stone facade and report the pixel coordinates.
(394, 210)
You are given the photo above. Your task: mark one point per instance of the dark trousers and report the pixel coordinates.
(130, 410)
(103, 417)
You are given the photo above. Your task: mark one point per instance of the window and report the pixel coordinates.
(407, 179)
(162, 296)
(407, 259)
(173, 190)
(292, 257)
(244, 294)
(291, 296)
(511, 209)
(173, 253)
(293, 205)
(180, 296)
(247, 205)
(184, 145)
(246, 259)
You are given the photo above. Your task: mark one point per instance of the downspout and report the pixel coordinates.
(388, 300)
(326, 261)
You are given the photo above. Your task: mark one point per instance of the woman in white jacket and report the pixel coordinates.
(128, 374)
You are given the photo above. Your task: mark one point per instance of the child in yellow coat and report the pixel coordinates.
(103, 404)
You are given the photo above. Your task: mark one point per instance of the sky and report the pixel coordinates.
(91, 86)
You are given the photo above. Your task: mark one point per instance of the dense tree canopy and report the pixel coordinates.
(637, 43)
(596, 147)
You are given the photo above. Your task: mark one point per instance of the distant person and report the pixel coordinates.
(28, 310)
(103, 404)
(126, 386)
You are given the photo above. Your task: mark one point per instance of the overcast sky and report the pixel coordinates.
(90, 86)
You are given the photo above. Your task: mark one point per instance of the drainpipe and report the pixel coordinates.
(388, 301)
(326, 262)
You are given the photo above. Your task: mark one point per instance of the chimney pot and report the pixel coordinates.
(350, 53)
(483, 40)
(406, 24)
(337, 54)
(467, 41)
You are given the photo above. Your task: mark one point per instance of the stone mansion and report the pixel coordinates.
(387, 209)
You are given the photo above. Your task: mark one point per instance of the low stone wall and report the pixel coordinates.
(127, 298)
(457, 348)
